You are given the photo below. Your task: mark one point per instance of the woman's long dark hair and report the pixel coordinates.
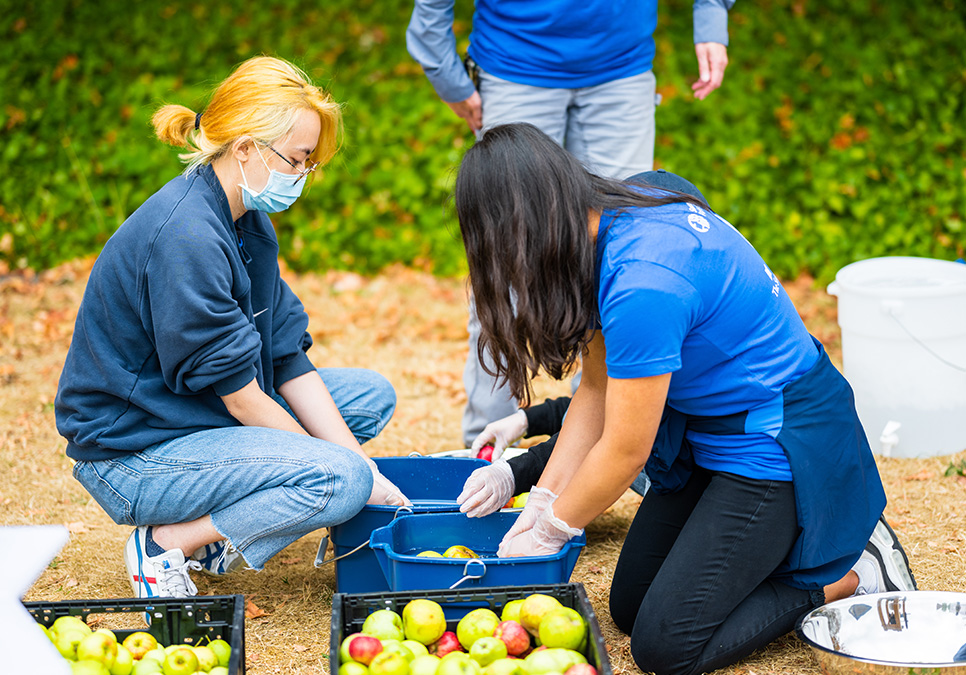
(523, 204)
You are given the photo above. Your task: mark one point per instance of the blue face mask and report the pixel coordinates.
(279, 193)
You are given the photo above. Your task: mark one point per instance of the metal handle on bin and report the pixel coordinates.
(402, 509)
(467, 575)
(320, 556)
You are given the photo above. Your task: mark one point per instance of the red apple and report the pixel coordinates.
(364, 649)
(581, 669)
(486, 452)
(139, 644)
(447, 643)
(514, 635)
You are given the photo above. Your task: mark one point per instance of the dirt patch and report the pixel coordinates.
(410, 327)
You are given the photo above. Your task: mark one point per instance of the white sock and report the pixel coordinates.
(868, 579)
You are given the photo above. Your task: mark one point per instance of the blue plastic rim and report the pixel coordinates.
(397, 544)
(431, 483)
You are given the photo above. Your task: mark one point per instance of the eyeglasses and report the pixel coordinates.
(301, 174)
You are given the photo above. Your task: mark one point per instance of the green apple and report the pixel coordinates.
(139, 644)
(563, 627)
(481, 622)
(109, 633)
(458, 663)
(389, 663)
(347, 668)
(534, 608)
(505, 667)
(416, 648)
(207, 659)
(98, 647)
(223, 670)
(424, 665)
(458, 551)
(397, 646)
(384, 624)
(157, 654)
(123, 662)
(511, 610)
(222, 650)
(64, 622)
(486, 650)
(68, 640)
(181, 661)
(88, 667)
(423, 621)
(146, 667)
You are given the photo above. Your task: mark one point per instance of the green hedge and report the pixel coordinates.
(838, 134)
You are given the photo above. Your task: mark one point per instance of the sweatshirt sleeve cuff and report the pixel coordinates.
(233, 383)
(710, 23)
(297, 365)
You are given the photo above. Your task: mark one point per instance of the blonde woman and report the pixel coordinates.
(187, 398)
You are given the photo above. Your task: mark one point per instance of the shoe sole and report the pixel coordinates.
(891, 567)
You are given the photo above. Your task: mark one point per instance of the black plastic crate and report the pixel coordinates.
(192, 621)
(349, 612)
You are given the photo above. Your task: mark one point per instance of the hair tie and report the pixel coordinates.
(197, 121)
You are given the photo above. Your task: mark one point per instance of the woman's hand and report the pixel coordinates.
(547, 536)
(539, 500)
(501, 434)
(486, 490)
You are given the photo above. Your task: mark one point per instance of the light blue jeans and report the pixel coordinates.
(263, 488)
(610, 129)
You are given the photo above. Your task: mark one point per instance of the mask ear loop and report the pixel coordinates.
(242, 169)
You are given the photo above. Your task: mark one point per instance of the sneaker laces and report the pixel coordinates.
(176, 581)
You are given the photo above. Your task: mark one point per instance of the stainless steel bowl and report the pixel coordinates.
(907, 633)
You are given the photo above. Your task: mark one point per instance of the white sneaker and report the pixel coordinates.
(160, 576)
(219, 558)
(883, 565)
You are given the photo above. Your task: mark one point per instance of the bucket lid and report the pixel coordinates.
(903, 276)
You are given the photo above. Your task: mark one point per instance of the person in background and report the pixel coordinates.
(697, 369)
(581, 72)
(187, 399)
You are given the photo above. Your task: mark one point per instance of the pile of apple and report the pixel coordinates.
(417, 643)
(97, 652)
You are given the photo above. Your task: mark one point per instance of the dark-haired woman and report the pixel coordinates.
(765, 498)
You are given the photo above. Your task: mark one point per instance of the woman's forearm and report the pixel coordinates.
(254, 408)
(312, 403)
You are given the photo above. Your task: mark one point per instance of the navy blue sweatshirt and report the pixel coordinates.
(183, 306)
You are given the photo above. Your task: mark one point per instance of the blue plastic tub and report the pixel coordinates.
(432, 484)
(396, 545)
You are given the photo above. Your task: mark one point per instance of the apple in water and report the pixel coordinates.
(511, 610)
(353, 668)
(123, 662)
(447, 643)
(181, 661)
(486, 453)
(521, 500)
(384, 624)
(514, 635)
(481, 622)
(389, 663)
(423, 621)
(534, 608)
(563, 627)
(459, 551)
(486, 650)
(98, 647)
(139, 644)
(222, 650)
(364, 649)
(424, 665)
(429, 554)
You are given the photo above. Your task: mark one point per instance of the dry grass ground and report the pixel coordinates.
(410, 327)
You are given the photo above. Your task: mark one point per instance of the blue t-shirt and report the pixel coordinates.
(681, 291)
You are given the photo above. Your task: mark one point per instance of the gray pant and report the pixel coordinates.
(609, 128)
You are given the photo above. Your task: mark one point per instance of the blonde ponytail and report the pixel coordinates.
(259, 99)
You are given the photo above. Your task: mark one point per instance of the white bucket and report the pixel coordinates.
(904, 352)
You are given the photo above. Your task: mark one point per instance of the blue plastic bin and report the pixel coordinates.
(396, 545)
(432, 484)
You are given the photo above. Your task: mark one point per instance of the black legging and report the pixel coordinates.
(691, 585)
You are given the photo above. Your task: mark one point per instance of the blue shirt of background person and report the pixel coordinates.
(711, 313)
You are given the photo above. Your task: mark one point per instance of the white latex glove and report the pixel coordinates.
(487, 489)
(547, 536)
(501, 434)
(539, 500)
(384, 491)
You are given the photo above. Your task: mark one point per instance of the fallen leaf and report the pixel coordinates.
(77, 527)
(253, 611)
(289, 561)
(300, 648)
(925, 474)
(71, 583)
